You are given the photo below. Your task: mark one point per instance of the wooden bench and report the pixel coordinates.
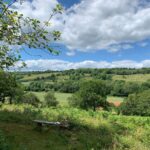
(41, 123)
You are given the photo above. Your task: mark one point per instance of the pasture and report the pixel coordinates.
(61, 97)
(133, 78)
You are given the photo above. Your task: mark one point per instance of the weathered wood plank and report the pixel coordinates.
(41, 123)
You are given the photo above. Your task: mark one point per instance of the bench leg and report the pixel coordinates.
(39, 127)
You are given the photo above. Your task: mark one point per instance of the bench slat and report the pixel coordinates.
(42, 122)
(47, 122)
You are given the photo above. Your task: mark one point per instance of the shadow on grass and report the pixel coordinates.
(21, 134)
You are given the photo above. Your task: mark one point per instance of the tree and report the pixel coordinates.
(50, 100)
(137, 104)
(8, 86)
(15, 29)
(122, 88)
(92, 94)
(31, 99)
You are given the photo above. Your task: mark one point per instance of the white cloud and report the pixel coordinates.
(93, 25)
(99, 24)
(40, 9)
(45, 64)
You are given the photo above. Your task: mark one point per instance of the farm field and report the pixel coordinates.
(115, 100)
(133, 78)
(34, 76)
(63, 98)
(129, 78)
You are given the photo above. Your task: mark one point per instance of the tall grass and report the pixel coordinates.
(89, 130)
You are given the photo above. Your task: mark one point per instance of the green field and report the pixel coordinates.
(133, 78)
(128, 78)
(61, 97)
(115, 98)
(34, 76)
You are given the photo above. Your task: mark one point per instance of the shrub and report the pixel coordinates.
(137, 104)
(31, 99)
(74, 100)
(50, 100)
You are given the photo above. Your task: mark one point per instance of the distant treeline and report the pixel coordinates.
(117, 71)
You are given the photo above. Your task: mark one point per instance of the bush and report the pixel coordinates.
(137, 104)
(74, 100)
(31, 99)
(50, 100)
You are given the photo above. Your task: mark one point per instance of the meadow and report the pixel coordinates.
(133, 78)
(107, 131)
(62, 98)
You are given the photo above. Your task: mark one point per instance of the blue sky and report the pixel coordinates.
(68, 3)
(137, 53)
(98, 31)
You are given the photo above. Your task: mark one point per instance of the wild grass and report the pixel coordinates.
(89, 130)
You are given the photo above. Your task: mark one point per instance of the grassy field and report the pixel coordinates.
(34, 76)
(128, 78)
(133, 78)
(61, 97)
(114, 99)
(89, 130)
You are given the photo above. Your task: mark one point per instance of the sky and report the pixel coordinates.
(95, 34)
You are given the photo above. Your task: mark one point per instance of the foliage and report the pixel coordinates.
(137, 104)
(8, 86)
(15, 29)
(92, 94)
(103, 76)
(36, 86)
(68, 86)
(50, 100)
(31, 99)
(122, 88)
(89, 129)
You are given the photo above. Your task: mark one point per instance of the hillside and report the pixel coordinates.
(107, 131)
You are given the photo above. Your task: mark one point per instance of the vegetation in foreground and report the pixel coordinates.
(107, 131)
(82, 106)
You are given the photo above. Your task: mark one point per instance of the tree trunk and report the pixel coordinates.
(3, 100)
(10, 100)
(94, 106)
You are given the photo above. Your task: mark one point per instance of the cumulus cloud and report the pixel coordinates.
(93, 25)
(45, 64)
(41, 10)
(99, 24)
